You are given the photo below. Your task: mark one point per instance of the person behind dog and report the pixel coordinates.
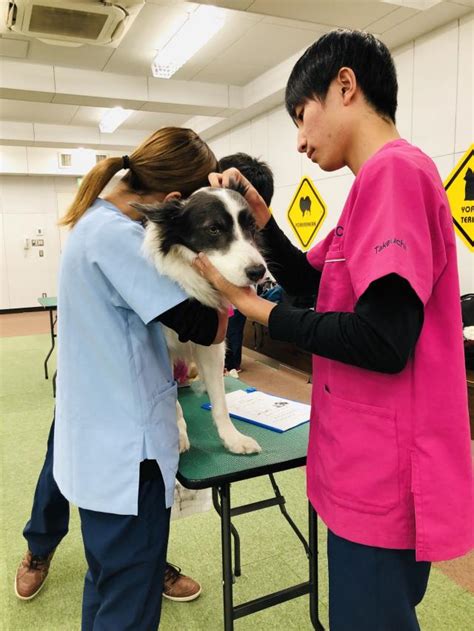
(389, 466)
(259, 174)
(115, 434)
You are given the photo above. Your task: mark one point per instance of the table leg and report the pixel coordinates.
(235, 534)
(224, 492)
(313, 569)
(51, 328)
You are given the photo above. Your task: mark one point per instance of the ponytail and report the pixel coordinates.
(93, 183)
(171, 159)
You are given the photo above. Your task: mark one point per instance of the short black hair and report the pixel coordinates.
(366, 55)
(257, 172)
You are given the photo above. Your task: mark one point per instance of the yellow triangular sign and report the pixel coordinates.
(306, 212)
(459, 187)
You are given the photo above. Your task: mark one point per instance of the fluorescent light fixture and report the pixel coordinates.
(421, 5)
(196, 31)
(113, 118)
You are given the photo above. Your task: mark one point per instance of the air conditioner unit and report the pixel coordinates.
(72, 22)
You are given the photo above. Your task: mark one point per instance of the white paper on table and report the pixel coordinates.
(267, 410)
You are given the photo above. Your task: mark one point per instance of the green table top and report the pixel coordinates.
(49, 302)
(208, 463)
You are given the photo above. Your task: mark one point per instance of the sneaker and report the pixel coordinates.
(179, 587)
(31, 575)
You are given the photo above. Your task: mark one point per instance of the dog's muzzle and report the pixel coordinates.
(255, 272)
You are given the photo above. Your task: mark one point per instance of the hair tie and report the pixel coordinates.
(125, 162)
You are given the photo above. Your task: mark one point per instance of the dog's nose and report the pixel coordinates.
(255, 272)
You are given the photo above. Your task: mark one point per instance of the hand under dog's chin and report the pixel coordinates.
(237, 280)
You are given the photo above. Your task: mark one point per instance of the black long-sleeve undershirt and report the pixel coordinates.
(192, 321)
(381, 333)
(288, 265)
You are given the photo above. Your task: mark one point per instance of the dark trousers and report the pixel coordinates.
(126, 556)
(49, 520)
(234, 340)
(373, 589)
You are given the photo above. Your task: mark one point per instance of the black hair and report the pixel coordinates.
(257, 172)
(366, 55)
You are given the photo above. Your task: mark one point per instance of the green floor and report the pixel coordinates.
(272, 557)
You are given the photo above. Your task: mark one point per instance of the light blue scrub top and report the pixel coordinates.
(116, 395)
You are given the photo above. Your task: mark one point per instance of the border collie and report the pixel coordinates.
(219, 223)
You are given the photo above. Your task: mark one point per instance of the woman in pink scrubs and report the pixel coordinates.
(389, 466)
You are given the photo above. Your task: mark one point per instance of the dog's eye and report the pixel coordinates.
(214, 231)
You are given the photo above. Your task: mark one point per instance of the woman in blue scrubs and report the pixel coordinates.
(116, 438)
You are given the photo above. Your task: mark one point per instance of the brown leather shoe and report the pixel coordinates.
(179, 587)
(31, 575)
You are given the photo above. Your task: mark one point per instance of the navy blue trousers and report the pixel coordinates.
(126, 556)
(49, 520)
(373, 589)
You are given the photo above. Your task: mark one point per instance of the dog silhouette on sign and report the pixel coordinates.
(469, 192)
(305, 205)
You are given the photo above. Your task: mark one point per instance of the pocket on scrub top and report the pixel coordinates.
(161, 427)
(358, 454)
(335, 289)
(163, 403)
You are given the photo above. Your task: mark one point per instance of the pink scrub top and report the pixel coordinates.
(389, 457)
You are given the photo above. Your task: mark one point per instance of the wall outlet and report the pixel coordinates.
(44, 295)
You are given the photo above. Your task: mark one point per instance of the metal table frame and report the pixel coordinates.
(190, 476)
(49, 303)
(222, 503)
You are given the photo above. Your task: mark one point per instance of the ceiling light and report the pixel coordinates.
(113, 118)
(420, 5)
(196, 31)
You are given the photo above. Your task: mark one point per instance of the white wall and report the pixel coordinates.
(29, 205)
(435, 112)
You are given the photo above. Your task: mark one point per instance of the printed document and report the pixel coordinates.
(266, 410)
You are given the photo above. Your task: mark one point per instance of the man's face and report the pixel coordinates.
(320, 130)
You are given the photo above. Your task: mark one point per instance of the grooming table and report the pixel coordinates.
(208, 464)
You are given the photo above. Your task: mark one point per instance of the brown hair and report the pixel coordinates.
(171, 159)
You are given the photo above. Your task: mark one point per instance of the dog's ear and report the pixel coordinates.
(163, 212)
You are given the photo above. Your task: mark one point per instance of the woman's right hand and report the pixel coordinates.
(259, 209)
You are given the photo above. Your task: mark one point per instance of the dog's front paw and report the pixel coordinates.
(241, 444)
(184, 443)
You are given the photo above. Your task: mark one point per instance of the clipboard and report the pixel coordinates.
(265, 410)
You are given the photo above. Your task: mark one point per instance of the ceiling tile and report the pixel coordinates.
(13, 48)
(346, 14)
(30, 112)
(392, 20)
(88, 57)
(221, 71)
(422, 22)
(266, 45)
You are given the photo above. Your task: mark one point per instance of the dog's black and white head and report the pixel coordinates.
(212, 220)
